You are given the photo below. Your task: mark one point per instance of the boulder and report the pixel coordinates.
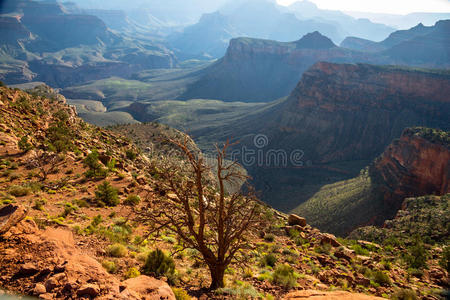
(296, 220)
(89, 289)
(148, 287)
(10, 215)
(327, 238)
(345, 253)
(27, 269)
(39, 289)
(369, 245)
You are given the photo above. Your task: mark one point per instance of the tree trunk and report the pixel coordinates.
(217, 274)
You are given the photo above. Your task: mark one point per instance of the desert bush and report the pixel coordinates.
(132, 273)
(240, 291)
(117, 250)
(132, 200)
(416, 258)
(106, 195)
(159, 264)
(381, 278)
(96, 169)
(284, 275)
(19, 191)
(360, 250)
(39, 204)
(24, 145)
(323, 249)
(180, 294)
(268, 260)
(269, 237)
(130, 154)
(444, 262)
(404, 294)
(109, 266)
(59, 138)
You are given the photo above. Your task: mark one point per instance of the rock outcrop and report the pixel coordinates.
(417, 164)
(47, 264)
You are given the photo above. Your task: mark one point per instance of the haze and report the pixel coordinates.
(381, 6)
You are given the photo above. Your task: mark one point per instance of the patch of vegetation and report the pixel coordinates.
(268, 260)
(110, 266)
(117, 250)
(130, 154)
(24, 145)
(96, 169)
(180, 294)
(444, 262)
(416, 258)
(132, 273)
(159, 264)
(19, 191)
(132, 200)
(269, 237)
(106, 195)
(404, 294)
(285, 276)
(381, 278)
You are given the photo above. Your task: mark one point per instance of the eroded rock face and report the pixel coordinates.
(48, 264)
(349, 112)
(413, 166)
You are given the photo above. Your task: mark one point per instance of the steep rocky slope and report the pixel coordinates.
(57, 241)
(415, 165)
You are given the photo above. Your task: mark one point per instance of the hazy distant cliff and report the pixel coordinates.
(262, 70)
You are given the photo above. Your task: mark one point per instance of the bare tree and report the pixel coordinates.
(204, 216)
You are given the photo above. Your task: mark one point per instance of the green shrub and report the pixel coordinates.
(39, 204)
(268, 260)
(96, 169)
(60, 138)
(2, 84)
(180, 294)
(19, 191)
(269, 237)
(109, 266)
(106, 195)
(284, 275)
(416, 257)
(130, 154)
(445, 259)
(360, 250)
(132, 273)
(404, 294)
(132, 200)
(323, 249)
(24, 145)
(381, 278)
(117, 250)
(158, 264)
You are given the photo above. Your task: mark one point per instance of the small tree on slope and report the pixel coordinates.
(204, 217)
